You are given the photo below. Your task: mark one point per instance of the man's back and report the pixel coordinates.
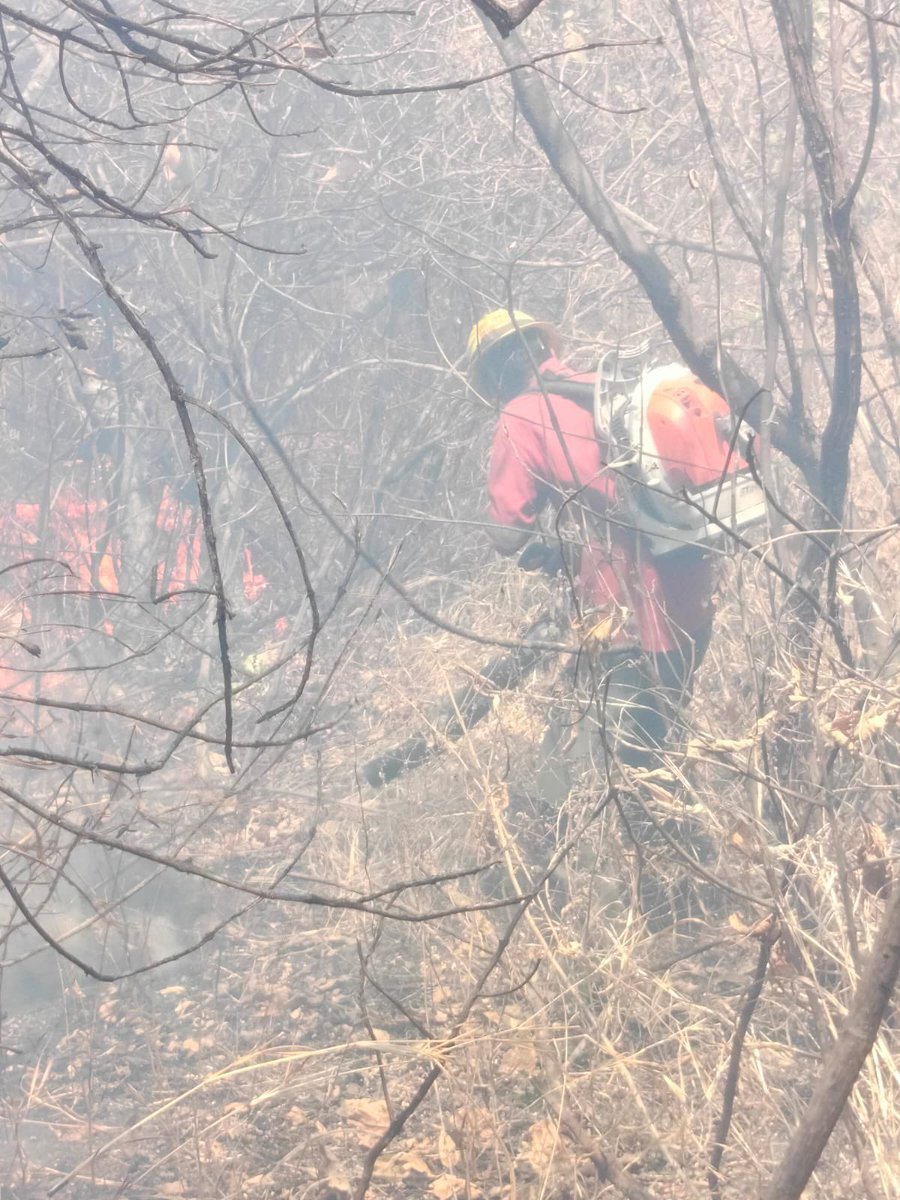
(546, 453)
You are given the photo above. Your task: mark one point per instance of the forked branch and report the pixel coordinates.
(506, 18)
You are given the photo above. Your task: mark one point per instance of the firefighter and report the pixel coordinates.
(651, 618)
(60, 562)
(78, 532)
(179, 528)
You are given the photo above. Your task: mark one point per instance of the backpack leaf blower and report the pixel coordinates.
(674, 447)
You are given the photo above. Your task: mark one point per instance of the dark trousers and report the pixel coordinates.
(634, 699)
(625, 707)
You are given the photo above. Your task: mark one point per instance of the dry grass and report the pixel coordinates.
(269, 1061)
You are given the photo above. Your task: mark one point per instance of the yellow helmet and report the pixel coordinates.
(495, 328)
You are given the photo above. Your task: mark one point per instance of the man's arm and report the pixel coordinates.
(515, 493)
(508, 539)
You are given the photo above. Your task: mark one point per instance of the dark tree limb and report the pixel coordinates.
(843, 1061)
(837, 193)
(607, 1168)
(505, 18)
(871, 16)
(729, 1093)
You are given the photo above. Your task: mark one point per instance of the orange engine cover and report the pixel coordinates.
(688, 423)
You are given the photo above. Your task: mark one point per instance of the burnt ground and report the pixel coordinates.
(270, 1060)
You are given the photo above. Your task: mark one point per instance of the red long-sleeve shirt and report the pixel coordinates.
(546, 452)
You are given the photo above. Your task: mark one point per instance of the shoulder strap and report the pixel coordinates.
(572, 389)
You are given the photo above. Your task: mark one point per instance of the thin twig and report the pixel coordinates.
(732, 1078)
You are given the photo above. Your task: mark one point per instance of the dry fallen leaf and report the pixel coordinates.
(871, 724)
(367, 1116)
(335, 1177)
(745, 839)
(399, 1167)
(542, 1147)
(780, 966)
(521, 1056)
(446, 1187)
(448, 1151)
(603, 631)
(473, 1125)
(766, 928)
(874, 863)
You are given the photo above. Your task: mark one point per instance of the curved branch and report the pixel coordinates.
(836, 201)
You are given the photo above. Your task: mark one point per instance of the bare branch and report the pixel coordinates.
(843, 1061)
(506, 18)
